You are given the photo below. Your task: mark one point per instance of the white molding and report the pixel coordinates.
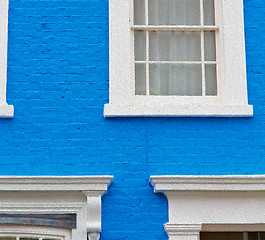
(6, 111)
(117, 110)
(94, 185)
(216, 203)
(183, 231)
(208, 183)
(34, 231)
(57, 195)
(232, 100)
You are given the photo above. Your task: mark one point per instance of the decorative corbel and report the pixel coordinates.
(94, 212)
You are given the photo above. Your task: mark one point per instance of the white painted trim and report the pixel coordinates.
(118, 110)
(208, 183)
(34, 232)
(88, 184)
(6, 111)
(57, 195)
(182, 231)
(232, 100)
(212, 203)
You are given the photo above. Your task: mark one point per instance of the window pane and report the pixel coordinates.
(213, 236)
(139, 45)
(174, 12)
(28, 238)
(209, 16)
(209, 46)
(210, 79)
(175, 79)
(253, 236)
(50, 239)
(140, 79)
(139, 12)
(175, 46)
(221, 236)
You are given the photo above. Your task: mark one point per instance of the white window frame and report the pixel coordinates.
(80, 195)
(40, 232)
(6, 111)
(232, 100)
(212, 204)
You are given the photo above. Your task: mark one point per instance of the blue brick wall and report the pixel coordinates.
(58, 83)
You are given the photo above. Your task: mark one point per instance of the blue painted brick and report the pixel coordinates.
(58, 83)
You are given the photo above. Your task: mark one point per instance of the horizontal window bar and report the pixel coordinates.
(175, 28)
(176, 62)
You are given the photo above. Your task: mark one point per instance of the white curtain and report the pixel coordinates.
(174, 78)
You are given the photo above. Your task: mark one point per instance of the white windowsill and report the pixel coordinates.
(6, 111)
(171, 110)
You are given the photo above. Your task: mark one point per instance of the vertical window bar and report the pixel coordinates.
(147, 48)
(245, 235)
(172, 6)
(202, 50)
(216, 23)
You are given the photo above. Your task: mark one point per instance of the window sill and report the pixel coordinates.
(170, 110)
(6, 111)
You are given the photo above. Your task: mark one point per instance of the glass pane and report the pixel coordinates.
(50, 239)
(175, 46)
(209, 46)
(139, 45)
(174, 12)
(209, 16)
(159, 79)
(175, 79)
(139, 12)
(213, 236)
(7, 238)
(253, 236)
(210, 79)
(28, 238)
(235, 236)
(140, 79)
(221, 236)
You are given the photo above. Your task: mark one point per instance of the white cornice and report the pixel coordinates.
(85, 184)
(208, 183)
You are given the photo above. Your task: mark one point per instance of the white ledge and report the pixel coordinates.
(97, 184)
(208, 183)
(171, 110)
(6, 111)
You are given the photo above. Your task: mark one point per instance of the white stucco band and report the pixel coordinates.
(212, 203)
(80, 195)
